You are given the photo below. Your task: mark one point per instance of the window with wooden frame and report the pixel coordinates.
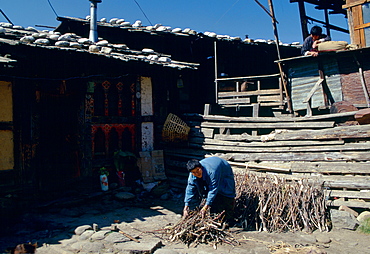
(358, 12)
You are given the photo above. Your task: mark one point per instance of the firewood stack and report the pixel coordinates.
(195, 229)
(275, 204)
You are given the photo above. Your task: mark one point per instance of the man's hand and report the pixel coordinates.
(313, 53)
(204, 210)
(185, 212)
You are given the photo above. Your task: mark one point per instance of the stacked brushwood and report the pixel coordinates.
(274, 204)
(198, 229)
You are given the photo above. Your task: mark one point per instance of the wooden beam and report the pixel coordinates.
(354, 3)
(357, 204)
(210, 141)
(234, 101)
(276, 119)
(347, 194)
(313, 90)
(355, 131)
(322, 167)
(284, 149)
(250, 77)
(362, 26)
(296, 156)
(284, 125)
(249, 93)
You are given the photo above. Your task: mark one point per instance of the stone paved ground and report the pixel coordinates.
(54, 226)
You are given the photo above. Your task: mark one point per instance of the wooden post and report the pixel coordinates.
(303, 17)
(272, 14)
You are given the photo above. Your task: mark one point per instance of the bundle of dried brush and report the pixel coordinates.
(197, 228)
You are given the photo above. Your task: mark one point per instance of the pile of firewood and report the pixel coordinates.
(275, 204)
(196, 229)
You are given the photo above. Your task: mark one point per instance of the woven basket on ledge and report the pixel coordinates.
(175, 129)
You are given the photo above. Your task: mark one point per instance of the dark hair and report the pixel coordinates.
(316, 30)
(192, 164)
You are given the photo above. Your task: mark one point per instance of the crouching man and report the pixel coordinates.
(213, 179)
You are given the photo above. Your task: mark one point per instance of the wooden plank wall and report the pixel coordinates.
(324, 149)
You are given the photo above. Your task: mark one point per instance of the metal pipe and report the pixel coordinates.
(216, 83)
(93, 36)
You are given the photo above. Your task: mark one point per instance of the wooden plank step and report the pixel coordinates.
(284, 125)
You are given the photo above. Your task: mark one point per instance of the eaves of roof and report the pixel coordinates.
(16, 35)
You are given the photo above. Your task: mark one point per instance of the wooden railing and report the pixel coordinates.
(255, 91)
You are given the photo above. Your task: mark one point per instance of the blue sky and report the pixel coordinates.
(234, 17)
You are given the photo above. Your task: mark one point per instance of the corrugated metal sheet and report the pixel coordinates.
(303, 77)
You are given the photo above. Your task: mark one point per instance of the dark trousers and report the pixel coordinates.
(222, 203)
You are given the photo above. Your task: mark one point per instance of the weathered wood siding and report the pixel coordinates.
(334, 155)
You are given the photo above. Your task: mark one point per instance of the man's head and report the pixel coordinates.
(316, 32)
(193, 166)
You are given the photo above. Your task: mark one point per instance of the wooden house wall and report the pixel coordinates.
(54, 118)
(322, 149)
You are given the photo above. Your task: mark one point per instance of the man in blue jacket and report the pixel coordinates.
(213, 179)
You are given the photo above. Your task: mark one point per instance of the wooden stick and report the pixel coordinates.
(128, 236)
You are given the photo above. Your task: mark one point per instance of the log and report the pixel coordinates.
(349, 182)
(256, 167)
(357, 204)
(283, 149)
(342, 132)
(331, 167)
(291, 156)
(321, 167)
(207, 141)
(347, 194)
(276, 119)
(355, 131)
(283, 125)
(236, 137)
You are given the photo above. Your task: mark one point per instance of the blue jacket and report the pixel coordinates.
(219, 179)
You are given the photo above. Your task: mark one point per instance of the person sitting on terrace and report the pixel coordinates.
(310, 44)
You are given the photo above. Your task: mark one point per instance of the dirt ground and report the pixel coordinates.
(55, 222)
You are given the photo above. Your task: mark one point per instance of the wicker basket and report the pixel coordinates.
(175, 129)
